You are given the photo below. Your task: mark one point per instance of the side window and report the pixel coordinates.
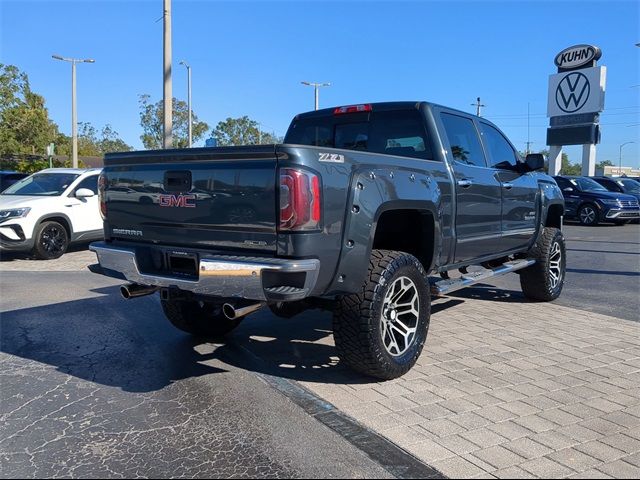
(463, 139)
(500, 151)
(612, 186)
(562, 183)
(90, 182)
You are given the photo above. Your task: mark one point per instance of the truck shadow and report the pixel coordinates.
(482, 291)
(130, 345)
(103, 340)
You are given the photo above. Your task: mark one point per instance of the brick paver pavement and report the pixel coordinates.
(76, 259)
(512, 389)
(504, 388)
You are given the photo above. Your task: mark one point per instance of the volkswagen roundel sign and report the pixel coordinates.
(572, 92)
(577, 56)
(576, 91)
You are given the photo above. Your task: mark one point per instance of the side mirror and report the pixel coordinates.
(567, 189)
(84, 193)
(534, 161)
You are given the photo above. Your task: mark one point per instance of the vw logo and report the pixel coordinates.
(573, 92)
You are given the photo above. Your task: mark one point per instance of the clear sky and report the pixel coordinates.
(248, 58)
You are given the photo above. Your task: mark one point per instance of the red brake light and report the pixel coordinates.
(300, 200)
(353, 109)
(102, 186)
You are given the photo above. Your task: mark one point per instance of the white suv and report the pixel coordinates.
(48, 210)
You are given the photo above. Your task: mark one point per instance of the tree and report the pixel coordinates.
(13, 84)
(151, 121)
(93, 145)
(111, 142)
(87, 140)
(569, 168)
(242, 131)
(25, 127)
(604, 163)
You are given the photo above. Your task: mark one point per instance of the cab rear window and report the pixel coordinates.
(397, 132)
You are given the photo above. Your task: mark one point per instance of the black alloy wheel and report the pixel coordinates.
(51, 241)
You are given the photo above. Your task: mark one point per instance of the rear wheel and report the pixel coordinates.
(381, 330)
(202, 319)
(51, 240)
(543, 281)
(588, 215)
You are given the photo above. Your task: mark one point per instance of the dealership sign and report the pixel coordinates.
(576, 91)
(577, 56)
(576, 97)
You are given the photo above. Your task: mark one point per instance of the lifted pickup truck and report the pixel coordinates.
(351, 213)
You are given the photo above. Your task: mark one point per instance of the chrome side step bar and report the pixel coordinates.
(444, 287)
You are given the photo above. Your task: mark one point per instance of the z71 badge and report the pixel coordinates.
(331, 157)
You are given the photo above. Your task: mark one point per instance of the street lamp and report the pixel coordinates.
(315, 89)
(182, 62)
(620, 160)
(74, 113)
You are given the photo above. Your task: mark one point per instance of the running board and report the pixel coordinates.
(444, 287)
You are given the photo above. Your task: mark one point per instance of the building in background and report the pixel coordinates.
(615, 171)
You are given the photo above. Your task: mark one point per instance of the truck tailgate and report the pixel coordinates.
(214, 198)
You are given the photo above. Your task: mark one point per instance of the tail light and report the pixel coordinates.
(102, 186)
(353, 109)
(300, 200)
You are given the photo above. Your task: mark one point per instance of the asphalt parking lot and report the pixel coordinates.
(93, 385)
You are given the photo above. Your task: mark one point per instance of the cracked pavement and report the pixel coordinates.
(94, 386)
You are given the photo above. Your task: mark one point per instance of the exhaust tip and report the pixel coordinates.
(134, 290)
(229, 311)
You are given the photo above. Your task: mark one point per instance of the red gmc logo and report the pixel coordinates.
(183, 201)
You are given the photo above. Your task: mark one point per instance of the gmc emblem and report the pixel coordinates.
(182, 201)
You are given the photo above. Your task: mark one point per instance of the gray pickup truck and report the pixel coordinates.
(352, 213)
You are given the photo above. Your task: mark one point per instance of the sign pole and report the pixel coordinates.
(555, 159)
(588, 160)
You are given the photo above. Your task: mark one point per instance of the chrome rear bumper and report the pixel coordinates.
(218, 275)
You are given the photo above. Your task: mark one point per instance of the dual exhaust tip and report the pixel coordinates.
(135, 290)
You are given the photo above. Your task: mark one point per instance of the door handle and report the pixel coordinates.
(507, 185)
(465, 183)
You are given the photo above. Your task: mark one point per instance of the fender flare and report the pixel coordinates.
(373, 192)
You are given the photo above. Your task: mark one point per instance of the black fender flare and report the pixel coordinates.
(375, 191)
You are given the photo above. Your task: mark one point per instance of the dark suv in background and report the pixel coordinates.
(620, 185)
(8, 178)
(591, 203)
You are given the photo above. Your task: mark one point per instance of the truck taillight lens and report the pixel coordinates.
(300, 200)
(102, 186)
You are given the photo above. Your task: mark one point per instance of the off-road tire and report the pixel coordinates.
(585, 219)
(358, 318)
(537, 281)
(201, 319)
(51, 240)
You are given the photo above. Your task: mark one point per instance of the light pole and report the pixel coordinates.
(182, 62)
(167, 87)
(74, 113)
(315, 89)
(620, 159)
